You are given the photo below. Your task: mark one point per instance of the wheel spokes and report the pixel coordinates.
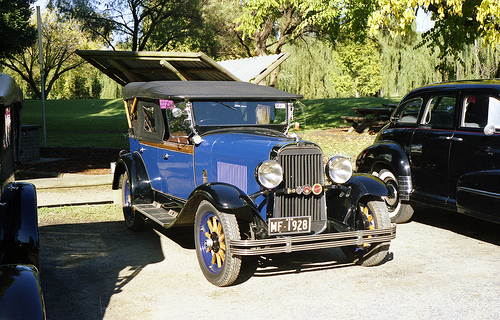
(215, 235)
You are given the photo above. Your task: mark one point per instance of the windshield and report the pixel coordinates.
(241, 113)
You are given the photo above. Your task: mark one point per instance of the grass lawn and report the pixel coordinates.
(80, 123)
(102, 123)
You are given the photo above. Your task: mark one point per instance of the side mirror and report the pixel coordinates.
(489, 130)
(176, 112)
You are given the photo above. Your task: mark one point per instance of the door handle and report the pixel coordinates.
(445, 137)
(141, 150)
(165, 156)
(450, 138)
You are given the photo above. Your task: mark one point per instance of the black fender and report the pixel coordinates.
(384, 154)
(224, 197)
(140, 185)
(19, 241)
(342, 201)
(21, 296)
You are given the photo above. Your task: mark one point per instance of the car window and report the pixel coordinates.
(440, 111)
(221, 113)
(475, 110)
(408, 111)
(494, 112)
(177, 115)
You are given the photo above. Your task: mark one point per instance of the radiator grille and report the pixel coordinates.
(302, 166)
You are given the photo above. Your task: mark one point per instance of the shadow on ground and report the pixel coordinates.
(84, 264)
(458, 223)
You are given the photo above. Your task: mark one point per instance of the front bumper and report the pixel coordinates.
(311, 242)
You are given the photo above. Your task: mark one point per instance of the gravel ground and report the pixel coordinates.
(441, 266)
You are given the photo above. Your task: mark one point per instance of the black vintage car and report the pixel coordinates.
(441, 148)
(20, 293)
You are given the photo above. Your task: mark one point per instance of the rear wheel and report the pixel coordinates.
(398, 211)
(212, 231)
(369, 216)
(133, 219)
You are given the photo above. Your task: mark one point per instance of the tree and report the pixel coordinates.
(458, 23)
(60, 40)
(136, 24)
(16, 32)
(361, 65)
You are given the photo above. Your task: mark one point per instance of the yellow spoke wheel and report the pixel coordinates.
(212, 231)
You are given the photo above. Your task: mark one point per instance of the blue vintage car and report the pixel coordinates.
(20, 293)
(441, 148)
(217, 155)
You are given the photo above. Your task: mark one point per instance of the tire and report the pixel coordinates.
(372, 215)
(399, 212)
(211, 231)
(133, 219)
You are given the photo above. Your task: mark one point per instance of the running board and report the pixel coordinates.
(154, 211)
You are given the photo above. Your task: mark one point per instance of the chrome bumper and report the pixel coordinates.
(319, 241)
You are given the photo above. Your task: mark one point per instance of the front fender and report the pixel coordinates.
(19, 241)
(384, 154)
(342, 201)
(140, 185)
(224, 197)
(21, 296)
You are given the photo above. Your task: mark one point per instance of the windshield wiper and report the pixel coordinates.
(226, 105)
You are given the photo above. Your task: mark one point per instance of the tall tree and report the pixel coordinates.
(60, 40)
(16, 32)
(458, 23)
(137, 24)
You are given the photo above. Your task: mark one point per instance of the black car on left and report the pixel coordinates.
(20, 292)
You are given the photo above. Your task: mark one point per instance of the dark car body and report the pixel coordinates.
(20, 292)
(216, 155)
(442, 148)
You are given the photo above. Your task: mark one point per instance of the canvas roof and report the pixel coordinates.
(200, 90)
(9, 90)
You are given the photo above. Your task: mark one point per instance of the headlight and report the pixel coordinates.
(339, 169)
(269, 174)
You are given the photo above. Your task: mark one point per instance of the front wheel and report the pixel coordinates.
(133, 219)
(398, 211)
(212, 231)
(369, 216)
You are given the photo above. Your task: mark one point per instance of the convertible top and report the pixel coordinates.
(9, 90)
(204, 90)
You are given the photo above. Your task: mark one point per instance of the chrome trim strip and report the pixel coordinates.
(480, 192)
(311, 242)
(405, 187)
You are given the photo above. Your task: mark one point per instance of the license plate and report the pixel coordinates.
(279, 226)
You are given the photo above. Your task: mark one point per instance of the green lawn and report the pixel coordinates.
(102, 123)
(81, 123)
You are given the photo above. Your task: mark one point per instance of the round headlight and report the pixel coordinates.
(269, 174)
(339, 169)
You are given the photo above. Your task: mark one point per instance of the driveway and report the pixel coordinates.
(441, 266)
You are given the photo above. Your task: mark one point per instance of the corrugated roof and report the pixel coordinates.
(131, 66)
(254, 69)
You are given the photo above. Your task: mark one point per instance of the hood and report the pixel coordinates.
(233, 157)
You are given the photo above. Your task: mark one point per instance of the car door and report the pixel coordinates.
(430, 149)
(175, 157)
(477, 154)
